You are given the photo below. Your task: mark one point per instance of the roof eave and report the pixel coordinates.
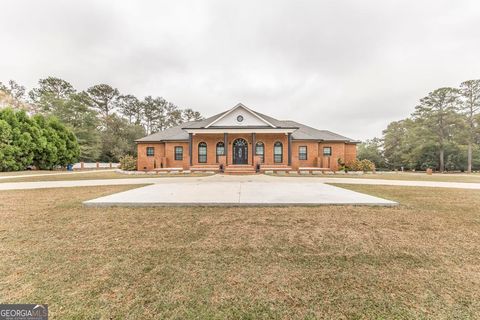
(240, 105)
(323, 140)
(237, 127)
(162, 141)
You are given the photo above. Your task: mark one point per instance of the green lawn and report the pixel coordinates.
(417, 260)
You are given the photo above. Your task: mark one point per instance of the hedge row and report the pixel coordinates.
(36, 140)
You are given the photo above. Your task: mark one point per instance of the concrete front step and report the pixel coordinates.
(205, 168)
(240, 172)
(208, 166)
(240, 169)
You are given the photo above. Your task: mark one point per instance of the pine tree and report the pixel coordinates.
(437, 113)
(470, 108)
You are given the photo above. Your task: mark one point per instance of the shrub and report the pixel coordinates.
(40, 141)
(128, 163)
(342, 166)
(362, 165)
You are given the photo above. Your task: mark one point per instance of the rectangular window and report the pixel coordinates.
(202, 152)
(302, 153)
(150, 151)
(178, 153)
(260, 152)
(277, 158)
(277, 152)
(327, 151)
(220, 151)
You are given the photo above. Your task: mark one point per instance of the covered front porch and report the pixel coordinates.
(239, 150)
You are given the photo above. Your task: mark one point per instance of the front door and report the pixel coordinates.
(240, 152)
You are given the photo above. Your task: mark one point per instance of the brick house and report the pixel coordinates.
(241, 140)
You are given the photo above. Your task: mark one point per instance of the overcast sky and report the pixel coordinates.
(346, 66)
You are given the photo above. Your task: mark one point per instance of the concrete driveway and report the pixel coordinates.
(262, 178)
(220, 190)
(235, 190)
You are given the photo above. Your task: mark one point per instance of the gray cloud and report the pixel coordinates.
(348, 66)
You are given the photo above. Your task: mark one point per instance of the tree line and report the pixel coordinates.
(443, 133)
(105, 121)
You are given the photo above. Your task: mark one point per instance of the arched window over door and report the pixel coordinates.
(202, 152)
(240, 151)
(220, 150)
(260, 151)
(278, 152)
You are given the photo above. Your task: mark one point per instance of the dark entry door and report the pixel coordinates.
(240, 152)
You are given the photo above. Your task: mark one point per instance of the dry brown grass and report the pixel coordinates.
(27, 172)
(94, 175)
(406, 176)
(420, 176)
(418, 260)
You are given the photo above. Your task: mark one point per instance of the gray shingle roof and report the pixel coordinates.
(275, 122)
(203, 123)
(302, 133)
(171, 134)
(308, 133)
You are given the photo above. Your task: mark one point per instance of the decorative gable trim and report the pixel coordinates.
(240, 105)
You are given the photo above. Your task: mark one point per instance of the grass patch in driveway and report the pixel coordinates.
(418, 260)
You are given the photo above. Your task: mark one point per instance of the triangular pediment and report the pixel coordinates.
(240, 116)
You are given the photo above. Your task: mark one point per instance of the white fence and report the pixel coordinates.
(95, 165)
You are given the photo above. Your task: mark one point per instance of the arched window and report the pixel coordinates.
(220, 150)
(260, 151)
(202, 152)
(278, 152)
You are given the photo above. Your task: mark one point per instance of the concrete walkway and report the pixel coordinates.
(264, 178)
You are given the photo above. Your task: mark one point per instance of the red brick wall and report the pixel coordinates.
(350, 153)
(164, 152)
(268, 141)
(170, 155)
(147, 163)
(211, 140)
(312, 154)
(347, 152)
